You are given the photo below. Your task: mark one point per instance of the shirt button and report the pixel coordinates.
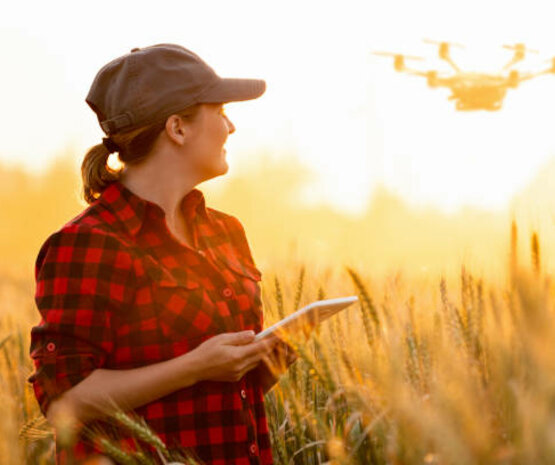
(50, 347)
(227, 292)
(253, 448)
(243, 394)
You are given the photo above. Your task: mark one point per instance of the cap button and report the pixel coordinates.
(136, 49)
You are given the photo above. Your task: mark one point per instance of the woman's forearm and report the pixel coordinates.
(105, 391)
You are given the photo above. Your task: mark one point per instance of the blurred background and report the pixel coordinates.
(341, 161)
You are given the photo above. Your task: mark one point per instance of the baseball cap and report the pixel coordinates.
(149, 84)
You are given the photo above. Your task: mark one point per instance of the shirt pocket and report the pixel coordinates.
(185, 312)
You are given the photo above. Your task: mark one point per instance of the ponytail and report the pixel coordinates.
(95, 172)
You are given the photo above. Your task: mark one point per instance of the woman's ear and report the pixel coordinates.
(177, 130)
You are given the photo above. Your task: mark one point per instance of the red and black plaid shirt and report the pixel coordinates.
(116, 290)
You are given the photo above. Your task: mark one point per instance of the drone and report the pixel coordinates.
(471, 90)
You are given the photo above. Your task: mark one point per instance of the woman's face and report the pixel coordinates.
(209, 134)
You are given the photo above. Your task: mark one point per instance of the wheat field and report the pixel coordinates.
(436, 367)
(449, 373)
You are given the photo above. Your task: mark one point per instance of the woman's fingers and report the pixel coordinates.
(257, 356)
(250, 366)
(238, 338)
(266, 345)
(246, 355)
(273, 351)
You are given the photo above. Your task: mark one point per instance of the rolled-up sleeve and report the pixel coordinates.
(83, 283)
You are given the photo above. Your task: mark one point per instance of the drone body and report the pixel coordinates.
(472, 91)
(475, 91)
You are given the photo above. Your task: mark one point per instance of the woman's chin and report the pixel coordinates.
(223, 168)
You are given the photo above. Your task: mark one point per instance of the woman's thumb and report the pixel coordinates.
(241, 337)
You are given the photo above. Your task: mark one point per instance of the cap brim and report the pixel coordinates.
(234, 90)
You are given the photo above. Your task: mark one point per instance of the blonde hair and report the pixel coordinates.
(133, 147)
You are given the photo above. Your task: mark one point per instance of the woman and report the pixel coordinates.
(150, 299)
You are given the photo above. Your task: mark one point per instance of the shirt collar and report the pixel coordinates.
(130, 209)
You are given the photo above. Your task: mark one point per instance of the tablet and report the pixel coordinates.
(311, 315)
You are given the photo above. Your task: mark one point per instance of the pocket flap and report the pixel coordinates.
(241, 266)
(164, 278)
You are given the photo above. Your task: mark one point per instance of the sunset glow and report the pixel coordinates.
(343, 112)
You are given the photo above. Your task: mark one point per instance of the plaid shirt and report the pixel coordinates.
(116, 290)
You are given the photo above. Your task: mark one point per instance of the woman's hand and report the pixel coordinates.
(281, 356)
(275, 364)
(228, 356)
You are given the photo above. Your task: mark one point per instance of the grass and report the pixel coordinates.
(445, 372)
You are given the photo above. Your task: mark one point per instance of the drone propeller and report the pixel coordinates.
(443, 51)
(520, 51)
(399, 59)
(391, 54)
(443, 43)
(519, 48)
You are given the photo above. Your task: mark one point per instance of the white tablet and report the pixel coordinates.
(311, 315)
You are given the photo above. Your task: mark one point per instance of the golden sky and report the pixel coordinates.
(344, 112)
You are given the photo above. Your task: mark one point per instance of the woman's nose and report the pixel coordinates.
(230, 125)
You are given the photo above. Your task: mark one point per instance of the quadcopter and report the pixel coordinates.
(472, 90)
